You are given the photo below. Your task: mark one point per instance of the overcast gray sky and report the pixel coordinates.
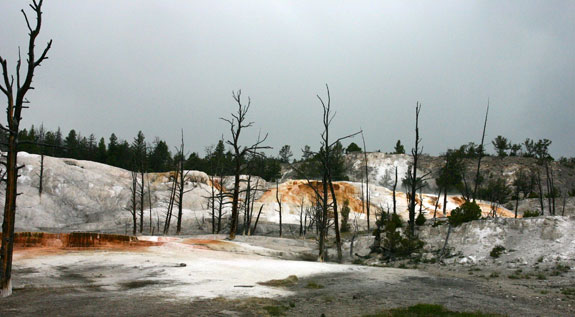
(159, 66)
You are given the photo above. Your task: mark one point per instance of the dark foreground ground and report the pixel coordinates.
(331, 294)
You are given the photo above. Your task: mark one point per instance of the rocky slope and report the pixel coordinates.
(89, 196)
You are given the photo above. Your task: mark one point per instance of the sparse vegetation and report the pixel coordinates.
(531, 213)
(568, 291)
(313, 285)
(497, 251)
(286, 282)
(468, 211)
(276, 310)
(560, 269)
(421, 310)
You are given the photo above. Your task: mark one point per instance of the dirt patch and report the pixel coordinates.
(288, 281)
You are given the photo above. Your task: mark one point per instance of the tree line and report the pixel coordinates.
(139, 154)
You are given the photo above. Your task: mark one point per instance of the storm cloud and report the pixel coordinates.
(160, 66)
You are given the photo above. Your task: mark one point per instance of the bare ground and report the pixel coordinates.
(101, 283)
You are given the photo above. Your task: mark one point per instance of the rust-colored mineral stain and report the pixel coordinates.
(293, 191)
(78, 240)
(458, 200)
(204, 242)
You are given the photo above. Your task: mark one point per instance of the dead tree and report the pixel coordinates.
(394, 189)
(327, 181)
(237, 124)
(181, 183)
(171, 202)
(253, 200)
(279, 201)
(540, 187)
(15, 97)
(550, 187)
(133, 207)
(150, 206)
(301, 216)
(481, 151)
(366, 179)
(416, 151)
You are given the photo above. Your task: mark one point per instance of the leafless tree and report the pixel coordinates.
(171, 202)
(15, 97)
(481, 152)
(366, 179)
(327, 181)
(133, 206)
(416, 151)
(237, 124)
(394, 192)
(180, 184)
(279, 201)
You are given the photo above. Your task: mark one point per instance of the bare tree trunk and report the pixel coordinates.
(15, 101)
(182, 184)
(220, 204)
(394, 189)
(142, 191)
(237, 124)
(480, 153)
(366, 179)
(247, 204)
(40, 186)
(414, 183)
(171, 205)
(257, 219)
(436, 204)
(301, 217)
(445, 203)
(134, 202)
(336, 220)
(442, 254)
(279, 201)
(213, 205)
(150, 206)
(253, 200)
(540, 192)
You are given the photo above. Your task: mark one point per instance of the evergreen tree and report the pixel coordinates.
(139, 152)
(501, 145)
(285, 154)
(59, 150)
(113, 151)
(160, 158)
(399, 148)
(101, 152)
(71, 143)
(352, 147)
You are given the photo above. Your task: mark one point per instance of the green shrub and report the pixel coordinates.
(313, 285)
(468, 211)
(420, 220)
(533, 195)
(345, 216)
(396, 245)
(396, 221)
(276, 310)
(496, 251)
(530, 214)
(568, 291)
